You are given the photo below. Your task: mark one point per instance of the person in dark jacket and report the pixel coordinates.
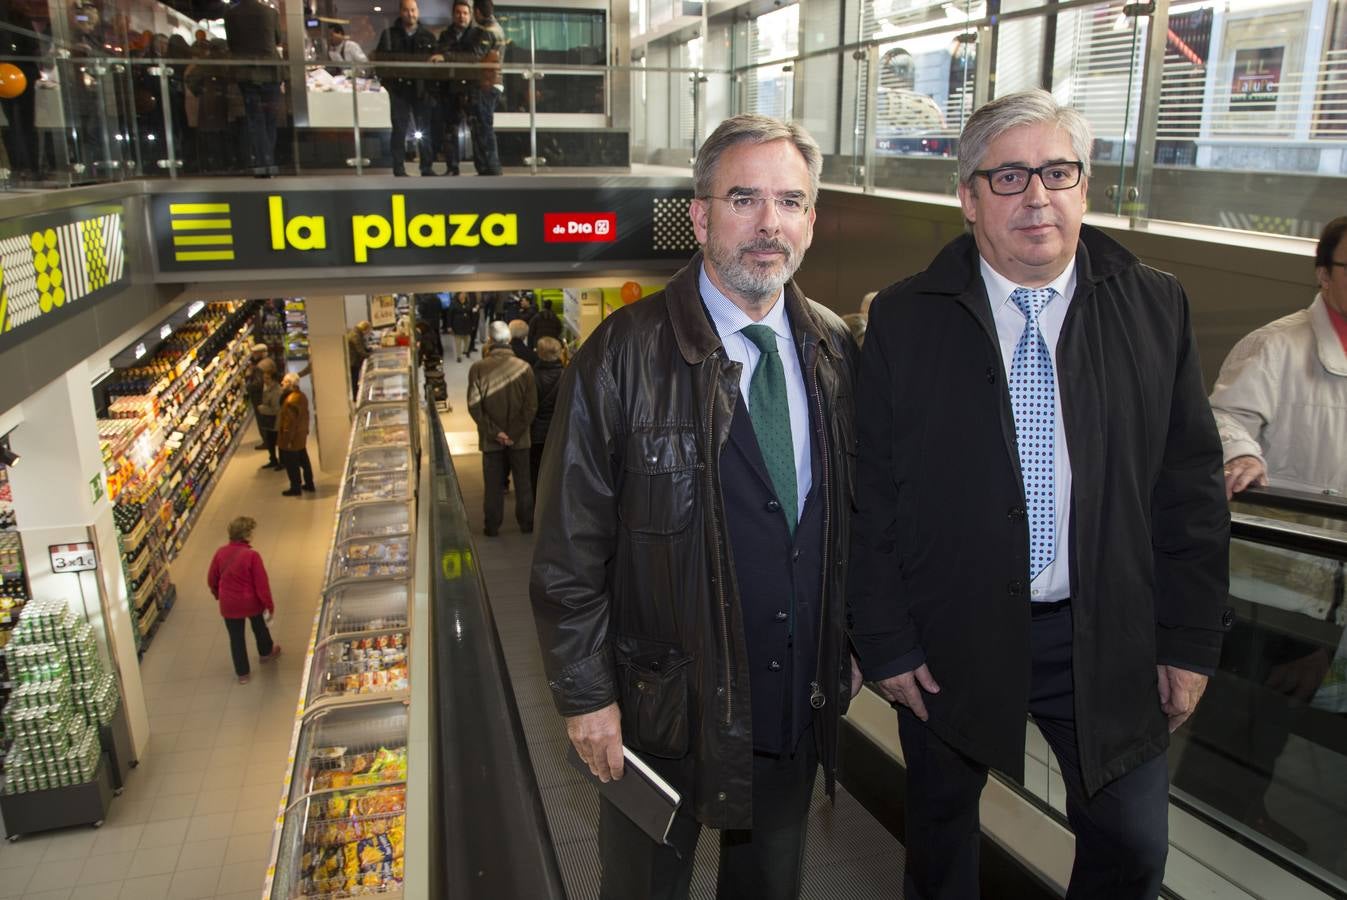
(253, 31)
(519, 332)
(292, 436)
(411, 103)
(463, 323)
(1041, 523)
(238, 580)
(268, 408)
(502, 401)
(693, 512)
(460, 42)
(545, 323)
(547, 379)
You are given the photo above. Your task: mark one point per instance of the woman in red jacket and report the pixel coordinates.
(238, 580)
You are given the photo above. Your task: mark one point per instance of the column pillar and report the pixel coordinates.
(327, 317)
(54, 503)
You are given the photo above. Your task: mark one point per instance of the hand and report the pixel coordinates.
(1243, 471)
(1179, 692)
(907, 688)
(1300, 678)
(438, 57)
(269, 615)
(504, 439)
(856, 677)
(597, 737)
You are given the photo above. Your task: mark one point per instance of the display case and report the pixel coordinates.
(389, 359)
(344, 828)
(373, 520)
(350, 667)
(354, 608)
(382, 426)
(383, 386)
(362, 559)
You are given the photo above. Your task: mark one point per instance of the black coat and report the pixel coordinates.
(395, 45)
(633, 565)
(544, 323)
(547, 378)
(253, 31)
(940, 546)
(462, 318)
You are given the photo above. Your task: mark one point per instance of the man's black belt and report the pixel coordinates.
(1048, 607)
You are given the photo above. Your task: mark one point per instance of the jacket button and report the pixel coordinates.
(652, 459)
(721, 796)
(1015, 587)
(991, 374)
(1228, 617)
(773, 506)
(1015, 512)
(781, 617)
(795, 557)
(774, 666)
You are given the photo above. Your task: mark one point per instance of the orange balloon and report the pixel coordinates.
(631, 292)
(12, 81)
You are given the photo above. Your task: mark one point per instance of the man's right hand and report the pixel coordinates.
(1243, 471)
(907, 689)
(597, 737)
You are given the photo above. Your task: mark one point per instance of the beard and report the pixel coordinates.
(757, 282)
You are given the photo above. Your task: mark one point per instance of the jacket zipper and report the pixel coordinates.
(719, 575)
(816, 696)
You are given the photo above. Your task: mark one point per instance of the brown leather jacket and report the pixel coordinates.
(502, 397)
(292, 425)
(633, 585)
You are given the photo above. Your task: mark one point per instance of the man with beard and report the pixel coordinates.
(693, 508)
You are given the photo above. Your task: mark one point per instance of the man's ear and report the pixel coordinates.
(699, 211)
(967, 200)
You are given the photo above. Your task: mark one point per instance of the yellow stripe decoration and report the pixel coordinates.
(4, 310)
(203, 255)
(203, 240)
(201, 224)
(178, 209)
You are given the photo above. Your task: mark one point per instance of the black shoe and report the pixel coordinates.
(400, 173)
(277, 466)
(427, 173)
(270, 465)
(490, 532)
(291, 493)
(310, 487)
(259, 446)
(526, 529)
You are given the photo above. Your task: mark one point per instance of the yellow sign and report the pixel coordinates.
(187, 219)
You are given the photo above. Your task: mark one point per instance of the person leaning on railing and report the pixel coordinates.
(411, 104)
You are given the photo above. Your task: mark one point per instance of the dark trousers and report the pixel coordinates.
(454, 106)
(535, 463)
(1121, 832)
(269, 436)
(238, 647)
(260, 100)
(495, 465)
(485, 156)
(296, 462)
(761, 863)
(417, 112)
(355, 378)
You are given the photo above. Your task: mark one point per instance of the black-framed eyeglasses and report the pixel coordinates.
(1009, 180)
(1334, 262)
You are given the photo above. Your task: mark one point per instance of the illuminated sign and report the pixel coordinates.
(309, 229)
(566, 228)
(51, 261)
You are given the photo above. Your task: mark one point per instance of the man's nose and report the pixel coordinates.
(1036, 194)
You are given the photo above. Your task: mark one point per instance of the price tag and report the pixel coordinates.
(72, 557)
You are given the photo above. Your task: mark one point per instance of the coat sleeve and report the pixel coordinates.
(1190, 523)
(882, 631)
(261, 585)
(1245, 395)
(476, 395)
(213, 575)
(530, 401)
(577, 516)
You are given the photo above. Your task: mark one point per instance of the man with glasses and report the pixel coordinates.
(693, 517)
(1041, 527)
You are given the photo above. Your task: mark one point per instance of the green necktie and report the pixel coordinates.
(770, 412)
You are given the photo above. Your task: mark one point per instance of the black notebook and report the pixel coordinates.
(640, 793)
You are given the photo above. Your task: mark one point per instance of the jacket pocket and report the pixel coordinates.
(659, 482)
(653, 693)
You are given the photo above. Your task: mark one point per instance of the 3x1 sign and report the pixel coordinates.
(72, 557)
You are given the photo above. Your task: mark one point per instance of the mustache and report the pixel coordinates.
(766, 245)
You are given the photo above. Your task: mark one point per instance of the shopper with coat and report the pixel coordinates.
(503, 401)
(463, 323)
(238, 580)
(292, 436)
(268, 408)
(547, 373)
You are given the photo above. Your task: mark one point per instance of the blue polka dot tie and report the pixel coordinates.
(1032, 396)
(770, 412)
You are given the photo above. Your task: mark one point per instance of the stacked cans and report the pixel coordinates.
(40, 763)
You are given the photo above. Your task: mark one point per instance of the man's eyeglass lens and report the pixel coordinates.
(748, 206)
(1015, 179)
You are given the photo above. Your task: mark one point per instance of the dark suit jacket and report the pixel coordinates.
(940, 542)
(252, 30)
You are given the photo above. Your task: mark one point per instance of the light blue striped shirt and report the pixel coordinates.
(729, 321)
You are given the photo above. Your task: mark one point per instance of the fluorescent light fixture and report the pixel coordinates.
(195, 308)
(164, 331)
(140, 350)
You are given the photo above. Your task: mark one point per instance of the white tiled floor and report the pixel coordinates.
(196, 817)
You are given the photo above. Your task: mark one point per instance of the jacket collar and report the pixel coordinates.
(1331, 353)
(696, 336)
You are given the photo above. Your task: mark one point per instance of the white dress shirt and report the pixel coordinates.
(729, 321)
(1054, 582)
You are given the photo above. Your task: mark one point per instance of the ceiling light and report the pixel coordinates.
(8, 458)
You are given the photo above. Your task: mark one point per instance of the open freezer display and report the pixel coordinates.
(389, 359)
(377, 426)
(379, 459)
(386, 387)
(372, 487)
(352, 608)
(349, 667)
(345, 823)
(373, 520)
(362, 558)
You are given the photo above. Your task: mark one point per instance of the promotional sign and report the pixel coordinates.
(96, 488)
(1257, 74)
(202, 232)
(72, 557)
(383, 310)
(53, 260)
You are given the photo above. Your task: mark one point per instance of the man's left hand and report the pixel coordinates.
(1180, 690)
(856, 677)
(504, 439)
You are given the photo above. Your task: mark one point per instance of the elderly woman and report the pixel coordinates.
(292, 436)
(268, 408)
(238, 580)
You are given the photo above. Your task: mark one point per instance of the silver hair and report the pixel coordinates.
(1012, 111)
(518, 328)
(499, 333)
(290, 379)
(754, 129)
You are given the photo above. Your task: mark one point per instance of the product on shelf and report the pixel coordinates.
(354, 839)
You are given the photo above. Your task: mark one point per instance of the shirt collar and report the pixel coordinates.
(999, 287)
(728, 318)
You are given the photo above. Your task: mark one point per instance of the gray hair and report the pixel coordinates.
(241, 528)
(499, 333)
(518, 328)
(1012, 111)
(754, 129)
(549, 349)
(290, 380)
